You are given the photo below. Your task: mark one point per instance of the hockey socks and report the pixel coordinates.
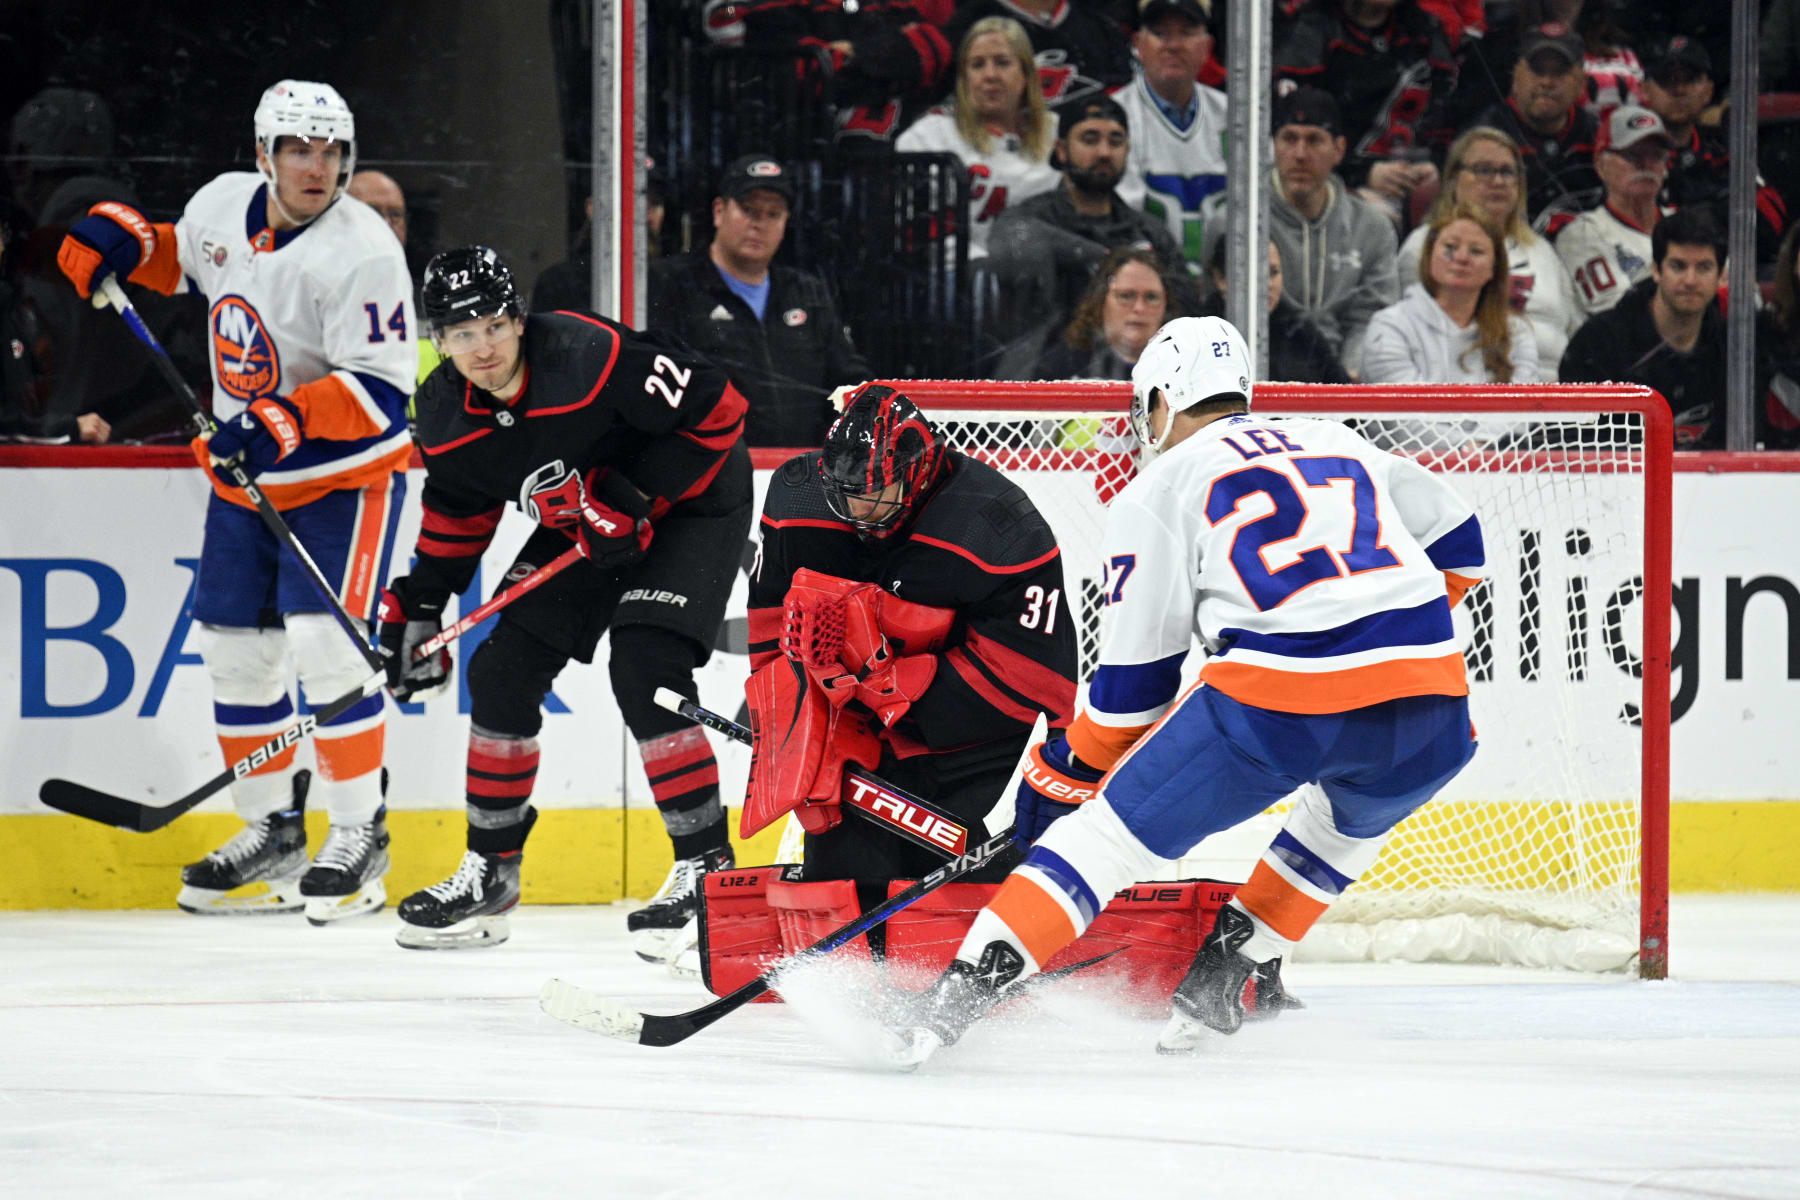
(684, 783)
(1302, 873)
(501, 773)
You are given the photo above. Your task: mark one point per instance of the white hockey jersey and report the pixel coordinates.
(1605, 255)
(1317, 571)
(321, 315)
(1001, 175)
(1541, 293)
(1170, 171)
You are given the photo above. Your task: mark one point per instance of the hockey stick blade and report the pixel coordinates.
(584, 1010)
(870, 796)
(651, 1029)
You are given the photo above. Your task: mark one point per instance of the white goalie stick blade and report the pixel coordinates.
(584, 1010)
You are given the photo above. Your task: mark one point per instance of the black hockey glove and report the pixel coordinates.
(1055, 784)
(406, 624)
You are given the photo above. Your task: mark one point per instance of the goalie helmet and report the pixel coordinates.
(298, 108)
(882, 439)
(464, 284)
(1191, 360)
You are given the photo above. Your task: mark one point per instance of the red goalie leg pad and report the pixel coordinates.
(923, 938)
(1159, 925)
(739, 935)
(807, 912)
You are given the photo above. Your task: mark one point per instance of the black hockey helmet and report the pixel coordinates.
(881, 439)
(465, 283)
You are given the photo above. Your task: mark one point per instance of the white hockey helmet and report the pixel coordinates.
(1190, 360)
(298, 108)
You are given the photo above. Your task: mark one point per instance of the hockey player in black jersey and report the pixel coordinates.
(955, 631)
(628, 444)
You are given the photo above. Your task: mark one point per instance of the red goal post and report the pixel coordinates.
(1552, 848)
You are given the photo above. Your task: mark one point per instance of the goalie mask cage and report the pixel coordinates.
(1551, 847)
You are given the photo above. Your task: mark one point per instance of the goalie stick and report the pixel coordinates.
(109, 292)
(868, 796)
(108, 809)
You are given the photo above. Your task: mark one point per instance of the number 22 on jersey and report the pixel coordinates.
(1268, 588)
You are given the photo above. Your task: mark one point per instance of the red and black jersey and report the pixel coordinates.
(596, 394)
(1700, 176)
(1392, 84)
(1560, 180)
(979, 547)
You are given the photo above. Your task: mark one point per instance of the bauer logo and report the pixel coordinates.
(244, 358)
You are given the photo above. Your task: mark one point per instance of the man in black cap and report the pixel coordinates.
(1044, 249)
(774, 329)
(1678, 87)
(1543, 113)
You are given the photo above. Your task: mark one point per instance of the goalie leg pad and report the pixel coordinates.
(922, 938)
(1158, 927)
(740, 937)
(806, 912)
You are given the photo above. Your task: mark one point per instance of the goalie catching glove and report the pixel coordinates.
(863, 643)
(604, 512)
(1054, 784)
(406, 623)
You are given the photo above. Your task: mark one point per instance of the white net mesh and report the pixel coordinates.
(1533, 853)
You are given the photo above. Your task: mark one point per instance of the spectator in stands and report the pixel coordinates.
(1456, 324)
(775, 330)
(1044, 251)
(26, 362)
(1485, 172)
(1607, 249)
(1081, 52)
(1614, 74)
(1543, 115)
(1298, 352)
(997, 124)
(1678, 88)
(1667, 332)
(378, 190)
(60, 136)
(1388, 65)
(1778, 352)
(1337, 252)
(1128, 301)
(1178, 127)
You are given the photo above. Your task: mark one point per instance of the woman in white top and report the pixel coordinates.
(1454, 326)
(1484, 171)
(997, 124)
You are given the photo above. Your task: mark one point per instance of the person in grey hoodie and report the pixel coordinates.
(1337, 251)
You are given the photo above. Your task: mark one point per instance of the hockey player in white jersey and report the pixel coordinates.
(311, 325)
(1319, 573)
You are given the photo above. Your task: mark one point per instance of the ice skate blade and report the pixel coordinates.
(1183, 1035)
(472, 934)
(263, 897)
(906, 1051)
(663, 946)
(584, 1010)
(326, 910)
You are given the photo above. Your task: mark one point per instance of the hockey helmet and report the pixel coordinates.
(880, 440)
(298, 108)
(1190, 360)
(464, 284)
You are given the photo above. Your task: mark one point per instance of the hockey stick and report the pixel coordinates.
(109, 809)
(600, 1014)
(869, 796)
(111, 293)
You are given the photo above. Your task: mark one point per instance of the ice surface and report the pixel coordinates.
(164, 1055)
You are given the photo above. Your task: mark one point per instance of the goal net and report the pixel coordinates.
(1550, 848)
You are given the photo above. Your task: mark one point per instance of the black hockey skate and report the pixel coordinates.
(1270, 997)
(1210, 997)
(258, 870)
(467, 910)
(962, 995)
(345, 877)
(670, 923)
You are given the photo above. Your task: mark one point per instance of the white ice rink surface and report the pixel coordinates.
(163, 1055)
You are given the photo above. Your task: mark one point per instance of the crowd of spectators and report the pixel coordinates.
(1461, 192)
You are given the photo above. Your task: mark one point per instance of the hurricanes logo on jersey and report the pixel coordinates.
(244, 355)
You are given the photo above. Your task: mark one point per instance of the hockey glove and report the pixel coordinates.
(1054, 784)
(256, 439)
(113, 239)
(406, 623)
(604, 512)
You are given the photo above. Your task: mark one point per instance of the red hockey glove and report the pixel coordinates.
(1053, 785)
(604, 512)
(406, 623)
(862, 642)
(113, 239)
(266, 432)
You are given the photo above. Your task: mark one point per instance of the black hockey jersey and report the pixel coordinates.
(980, 547)
(596, 394)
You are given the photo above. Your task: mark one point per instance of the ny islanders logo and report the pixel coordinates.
(244, 357)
